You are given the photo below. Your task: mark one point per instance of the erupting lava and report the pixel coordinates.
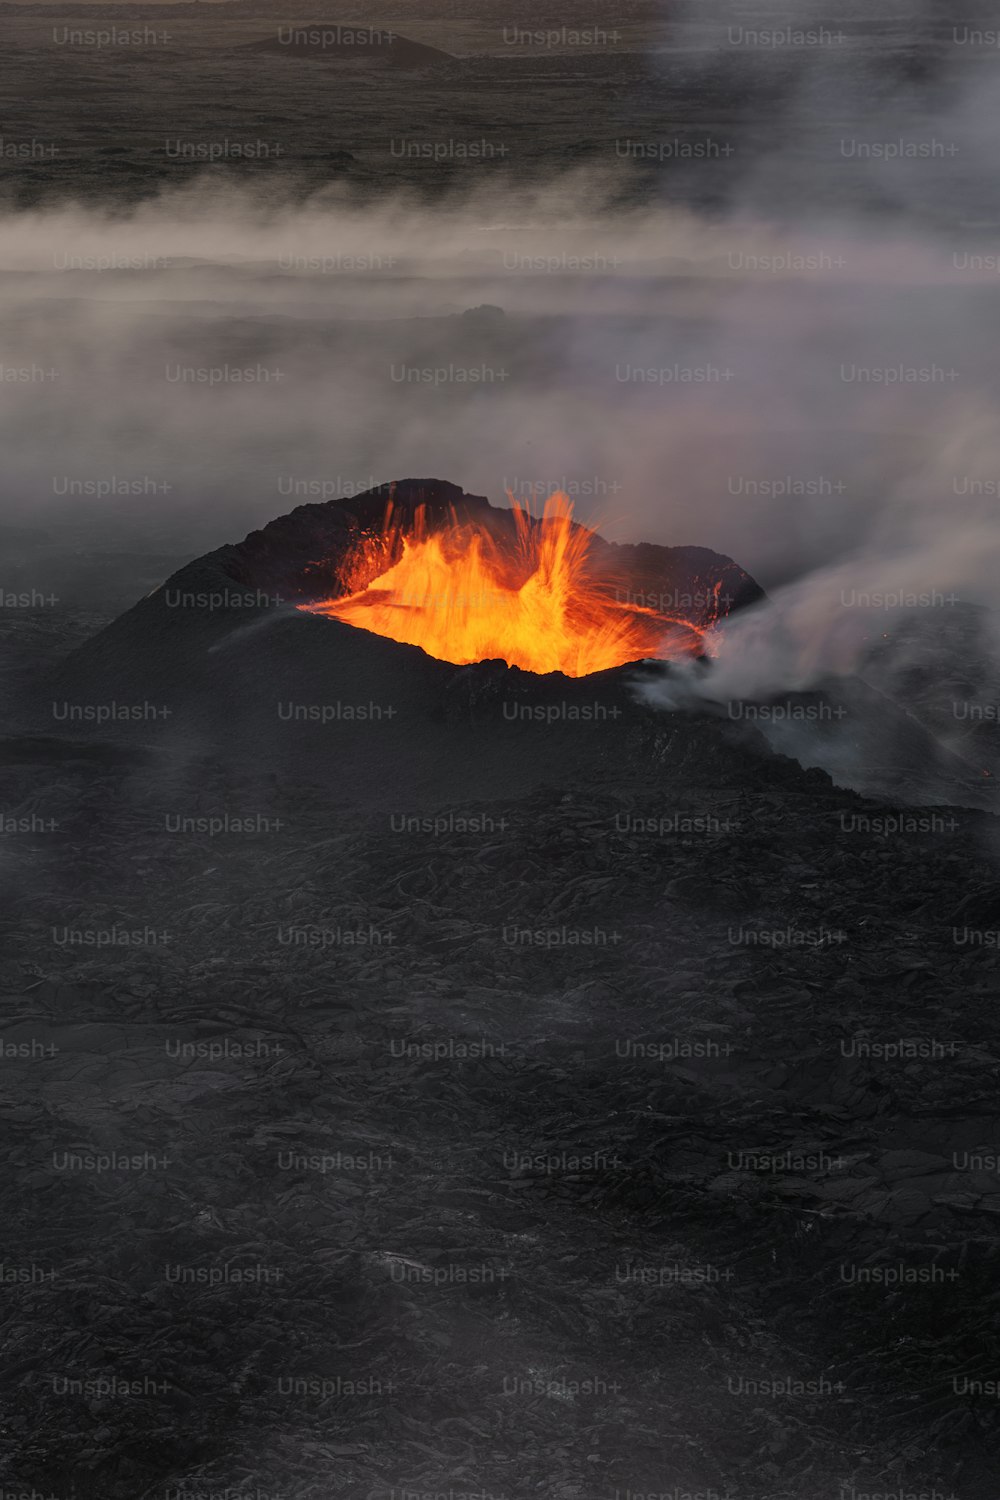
(532, 601)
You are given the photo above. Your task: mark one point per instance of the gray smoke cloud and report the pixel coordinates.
(817, 403)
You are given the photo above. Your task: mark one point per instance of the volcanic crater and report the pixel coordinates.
(319, 552)
(418, 636)
(265, 649)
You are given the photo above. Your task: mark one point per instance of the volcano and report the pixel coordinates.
(413, 633)
(528, 970)
(328, 557)
(421, 637)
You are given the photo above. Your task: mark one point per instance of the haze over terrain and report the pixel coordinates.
(729, 277)
(823, 315)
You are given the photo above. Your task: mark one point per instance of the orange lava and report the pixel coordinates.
(464, 597)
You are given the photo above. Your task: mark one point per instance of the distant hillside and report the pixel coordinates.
(524, 13)
(325, 39)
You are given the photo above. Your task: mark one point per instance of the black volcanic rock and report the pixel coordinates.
(769, 1048)
(869, 740)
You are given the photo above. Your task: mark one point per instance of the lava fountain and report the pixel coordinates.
(530, 597)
